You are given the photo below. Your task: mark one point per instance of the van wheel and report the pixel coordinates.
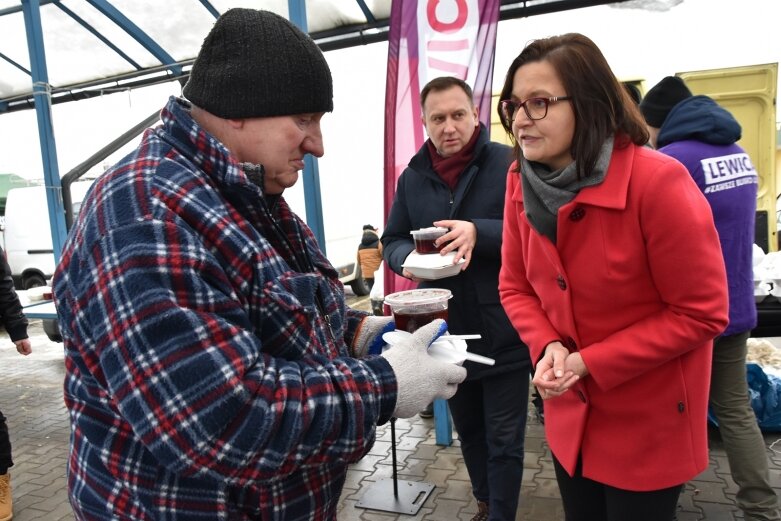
(359, 285)
(34, 281)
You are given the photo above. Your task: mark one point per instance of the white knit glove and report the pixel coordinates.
(420, 377)
(368, 337)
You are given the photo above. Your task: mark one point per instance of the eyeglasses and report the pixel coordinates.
(535, 108)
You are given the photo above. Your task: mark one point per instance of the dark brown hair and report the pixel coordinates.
(601, 104)
(444, 83)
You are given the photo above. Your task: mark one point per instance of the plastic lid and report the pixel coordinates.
(418, 297)
(435, 231)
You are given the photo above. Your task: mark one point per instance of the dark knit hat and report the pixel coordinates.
(369, 227)
(256, 63)
(633, 92)
(661, 99)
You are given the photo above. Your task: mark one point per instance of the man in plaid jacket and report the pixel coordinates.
(213, 370)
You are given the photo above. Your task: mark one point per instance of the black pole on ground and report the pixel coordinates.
(393, 458)
(406, 499)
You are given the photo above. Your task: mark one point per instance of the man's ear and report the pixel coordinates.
(236, 124)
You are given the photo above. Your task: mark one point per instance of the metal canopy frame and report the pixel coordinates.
(169, 69)
(42, 94)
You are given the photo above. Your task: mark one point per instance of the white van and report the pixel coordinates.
(28, 236)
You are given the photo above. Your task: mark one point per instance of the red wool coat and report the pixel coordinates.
(636, 283)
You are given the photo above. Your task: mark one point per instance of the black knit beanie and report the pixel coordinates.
(661, 99)
(256, 64)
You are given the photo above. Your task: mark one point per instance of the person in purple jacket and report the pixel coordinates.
(703, 136)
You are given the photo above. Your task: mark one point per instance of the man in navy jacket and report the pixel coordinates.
(457, 181)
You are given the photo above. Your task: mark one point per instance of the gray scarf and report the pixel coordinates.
(545, 191)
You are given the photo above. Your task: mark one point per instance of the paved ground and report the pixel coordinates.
(31, 398)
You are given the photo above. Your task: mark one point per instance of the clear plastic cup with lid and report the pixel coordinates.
(415, 308)
(424, 239)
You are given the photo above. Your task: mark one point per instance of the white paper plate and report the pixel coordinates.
(451, 351)
(432, 266)
(429, 260)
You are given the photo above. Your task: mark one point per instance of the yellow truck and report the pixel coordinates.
(749, 93)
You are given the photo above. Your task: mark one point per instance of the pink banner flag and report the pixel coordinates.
(427, 39)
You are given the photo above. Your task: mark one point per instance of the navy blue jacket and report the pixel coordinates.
(11, 313)
(422, 198)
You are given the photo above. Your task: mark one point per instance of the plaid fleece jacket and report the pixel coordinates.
(206, 338)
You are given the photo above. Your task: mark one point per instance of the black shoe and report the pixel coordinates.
(428, 412)
(482, 512)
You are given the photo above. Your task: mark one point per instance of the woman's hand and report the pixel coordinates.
(557, 371)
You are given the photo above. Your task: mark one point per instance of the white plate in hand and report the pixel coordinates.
(432, 266)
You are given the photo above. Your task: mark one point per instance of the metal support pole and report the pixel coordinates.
(41, 94)
(393, 458)
(311, 174)
(407, 496)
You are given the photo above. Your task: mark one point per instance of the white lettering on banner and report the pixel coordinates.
(717, 170)
(447, 39)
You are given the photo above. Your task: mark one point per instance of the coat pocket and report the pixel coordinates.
(291, 323)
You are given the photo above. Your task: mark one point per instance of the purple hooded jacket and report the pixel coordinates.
(702, 135)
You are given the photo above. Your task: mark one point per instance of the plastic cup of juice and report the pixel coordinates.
(424, 239)
(415, 308)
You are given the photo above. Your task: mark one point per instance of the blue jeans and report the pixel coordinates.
(739, 430)
(489, 415)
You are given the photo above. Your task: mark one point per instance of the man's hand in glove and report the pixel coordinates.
(420, 377)
(368, 338)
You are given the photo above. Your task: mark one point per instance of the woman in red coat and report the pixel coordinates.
(612, 274)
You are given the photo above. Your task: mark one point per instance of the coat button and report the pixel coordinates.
(681, 407)
(571, 343)
(577, 214)
(561, 282)
(582, 396)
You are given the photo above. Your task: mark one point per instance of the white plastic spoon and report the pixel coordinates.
(478, 358)
(460, 337)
